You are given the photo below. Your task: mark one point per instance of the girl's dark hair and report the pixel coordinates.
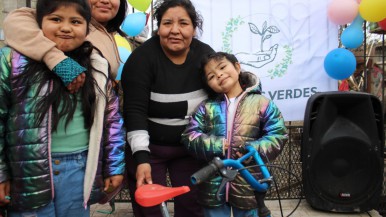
(56, 96)
(48, 89)
(44, 7)
(114, 24)
(164, 5)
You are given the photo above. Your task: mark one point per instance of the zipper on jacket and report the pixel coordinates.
(49, 127)
(229, 133)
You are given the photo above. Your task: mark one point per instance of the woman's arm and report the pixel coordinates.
(136, 81)
(114, 136)
(24, 35)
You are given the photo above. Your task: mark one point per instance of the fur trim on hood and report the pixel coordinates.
(250, 82)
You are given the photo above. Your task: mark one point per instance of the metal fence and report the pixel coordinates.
(288, 186)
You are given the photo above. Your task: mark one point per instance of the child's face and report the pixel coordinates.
(223, 77)
(66, 27)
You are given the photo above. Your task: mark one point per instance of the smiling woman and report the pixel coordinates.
(104, 11)
(162, 87)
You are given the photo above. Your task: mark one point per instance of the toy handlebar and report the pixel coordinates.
(207, 172)
(218, 165)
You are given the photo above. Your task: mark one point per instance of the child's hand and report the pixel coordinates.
(241, 152)
(113, 182)
(77, 83)
(5, 188)
(225, 146)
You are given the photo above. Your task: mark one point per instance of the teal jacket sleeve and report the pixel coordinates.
(5, 87)
(201, 140)
(274, 133)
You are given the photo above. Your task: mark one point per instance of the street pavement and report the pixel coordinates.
(304, 210)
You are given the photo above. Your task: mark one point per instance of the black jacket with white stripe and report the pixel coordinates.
(160, 95)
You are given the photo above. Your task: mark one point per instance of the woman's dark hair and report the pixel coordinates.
(218, 56)
(114, 24)
(44, 7)
(165, 5)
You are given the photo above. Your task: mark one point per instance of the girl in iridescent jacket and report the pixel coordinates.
(234, 115)
(59, 152)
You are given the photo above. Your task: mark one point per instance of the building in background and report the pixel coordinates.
(8, 5)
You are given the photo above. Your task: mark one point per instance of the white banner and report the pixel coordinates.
(284, 42)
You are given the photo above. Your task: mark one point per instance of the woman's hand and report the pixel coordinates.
(143, 175)
(5, 188)
(112, 182)
(77, 83)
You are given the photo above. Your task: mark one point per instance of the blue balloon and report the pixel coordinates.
(352, 37)
(123, 55)
(358, 21)
(340, 63)
(134, 23)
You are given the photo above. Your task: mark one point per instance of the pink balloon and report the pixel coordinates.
(342, 11)
(359, 1)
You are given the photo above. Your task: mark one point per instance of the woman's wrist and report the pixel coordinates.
(141, 157)
(68, 70)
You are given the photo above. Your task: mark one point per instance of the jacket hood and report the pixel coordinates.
(250, 82)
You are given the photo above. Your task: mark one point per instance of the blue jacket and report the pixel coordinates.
(25, 158)
(257, 122)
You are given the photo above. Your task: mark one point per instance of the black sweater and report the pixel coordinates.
(160, 95)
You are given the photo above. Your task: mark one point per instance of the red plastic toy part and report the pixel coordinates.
(154, 194)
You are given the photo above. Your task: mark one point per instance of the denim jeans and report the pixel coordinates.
(68, 174)
(225, 211)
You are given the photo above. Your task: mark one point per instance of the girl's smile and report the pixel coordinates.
(223, 77)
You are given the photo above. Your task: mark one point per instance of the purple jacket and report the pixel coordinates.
(25, 157)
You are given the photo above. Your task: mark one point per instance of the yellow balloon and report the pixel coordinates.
(373, 10)
(141, 5)
(122, 42)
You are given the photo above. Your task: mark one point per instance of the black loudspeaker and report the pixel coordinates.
(342, 151)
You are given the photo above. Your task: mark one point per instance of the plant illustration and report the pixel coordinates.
(270, 29)
(231, 27)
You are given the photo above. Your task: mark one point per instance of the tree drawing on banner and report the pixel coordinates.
(270, 29)
(261, 56)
